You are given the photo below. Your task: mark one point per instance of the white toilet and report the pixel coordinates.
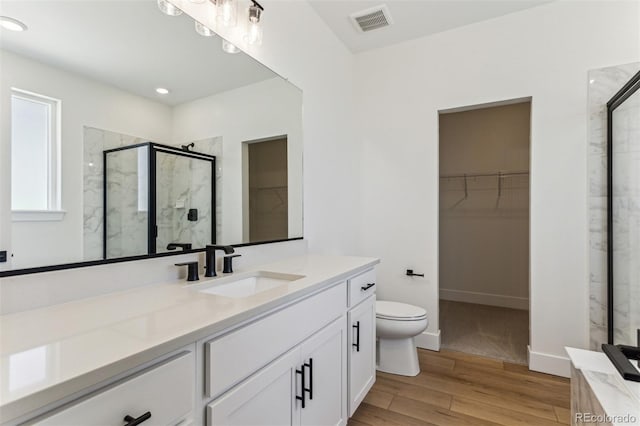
(396, 326)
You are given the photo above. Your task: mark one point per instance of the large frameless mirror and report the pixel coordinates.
(126, 133)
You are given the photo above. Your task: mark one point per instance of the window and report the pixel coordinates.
(35, 156)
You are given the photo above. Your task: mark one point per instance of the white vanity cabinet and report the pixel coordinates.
(305, 386)
(361, 346)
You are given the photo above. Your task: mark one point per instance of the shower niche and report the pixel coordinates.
(157, 199)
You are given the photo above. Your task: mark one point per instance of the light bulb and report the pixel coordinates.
(227, 12)
(229, 47)
(168, 8)
(12, 24)
(203, 30)
(253, 36)
(162, 91)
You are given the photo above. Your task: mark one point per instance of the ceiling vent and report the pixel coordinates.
(371, 19)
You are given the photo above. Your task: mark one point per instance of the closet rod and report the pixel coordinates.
(497, 174)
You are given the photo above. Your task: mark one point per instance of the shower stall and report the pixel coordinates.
(157, 198)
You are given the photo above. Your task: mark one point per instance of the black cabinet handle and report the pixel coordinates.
(367, 287)
(301, 398)
(357, 343)
(132, 421)
(310, 388)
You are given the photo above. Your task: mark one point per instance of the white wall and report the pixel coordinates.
(544, 53)
(84, 103)
(261, 110)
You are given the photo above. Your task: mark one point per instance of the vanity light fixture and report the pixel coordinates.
(162, 91)
(253, 35)
(12, 24)
(229, 47)
(168, 8)
(227, 12)
(203, 30)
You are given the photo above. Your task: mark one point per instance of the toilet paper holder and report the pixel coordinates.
(410, 273)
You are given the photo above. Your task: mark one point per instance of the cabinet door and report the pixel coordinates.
(325, 365)
(266, 398)
(362, 351)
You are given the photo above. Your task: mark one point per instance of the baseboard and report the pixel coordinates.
(428, 340)
(550, 364)
(485, 299)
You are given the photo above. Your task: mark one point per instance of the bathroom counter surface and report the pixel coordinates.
(50, 353)
(618, 397)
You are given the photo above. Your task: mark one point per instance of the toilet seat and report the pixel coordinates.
(397, 311)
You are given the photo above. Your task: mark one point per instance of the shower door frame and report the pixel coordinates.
(152, 228)
(618, 99)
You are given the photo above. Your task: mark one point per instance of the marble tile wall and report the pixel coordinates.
(95, 142)
(603, 84)
(185, 183)
(127, 227)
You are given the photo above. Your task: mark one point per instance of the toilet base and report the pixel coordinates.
(398, 356)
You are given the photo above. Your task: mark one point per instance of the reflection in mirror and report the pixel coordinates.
(105, 165)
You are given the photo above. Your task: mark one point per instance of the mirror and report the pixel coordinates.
(623, 121)
(126, 133)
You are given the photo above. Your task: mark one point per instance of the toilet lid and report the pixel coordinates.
(399, 311)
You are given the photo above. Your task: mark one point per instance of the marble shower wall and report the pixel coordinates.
(95, 142)
(185, 183)
(603, 84)
(127, 227)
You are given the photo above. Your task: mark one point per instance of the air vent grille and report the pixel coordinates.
(372, 19)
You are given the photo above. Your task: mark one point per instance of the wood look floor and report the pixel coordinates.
(458, 389)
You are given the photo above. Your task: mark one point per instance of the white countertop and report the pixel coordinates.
(71, 346)
(618, 397)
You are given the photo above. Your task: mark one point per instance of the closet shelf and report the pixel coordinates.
(496, 174)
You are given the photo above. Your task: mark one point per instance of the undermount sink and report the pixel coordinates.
(248, 285)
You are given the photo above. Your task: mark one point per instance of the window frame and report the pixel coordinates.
(54, 211)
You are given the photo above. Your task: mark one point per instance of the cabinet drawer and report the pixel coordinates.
(235, 356)
(166, 391)
(361, 287)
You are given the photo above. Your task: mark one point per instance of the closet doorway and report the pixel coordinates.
(484, 229)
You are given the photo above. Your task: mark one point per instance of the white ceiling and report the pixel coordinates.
(412, 18)
(130, 45)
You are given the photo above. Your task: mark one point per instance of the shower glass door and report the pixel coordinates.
(126, 209)
(624, 215)
(184, 199)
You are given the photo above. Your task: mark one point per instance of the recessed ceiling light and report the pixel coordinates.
(162, 91)
(12, 24)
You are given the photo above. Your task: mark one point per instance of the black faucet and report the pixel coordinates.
(192, 272)
(210, 259)
(183, 246)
